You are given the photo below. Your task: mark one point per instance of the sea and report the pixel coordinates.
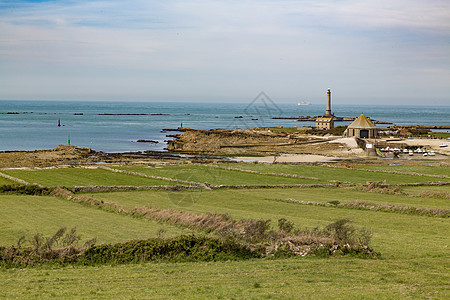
(117, 126)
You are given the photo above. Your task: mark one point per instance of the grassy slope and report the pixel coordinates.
(391, 231)
(82, 176)
(330, 173)
(241, 197)
(4, 181)
(417, 189)
(277, 279)
(197, 173)
(433, 170)
(27, 215)
(415, 248)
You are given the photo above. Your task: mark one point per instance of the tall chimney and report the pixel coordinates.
(328, 111)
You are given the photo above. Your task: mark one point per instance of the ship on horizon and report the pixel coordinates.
(304, 103)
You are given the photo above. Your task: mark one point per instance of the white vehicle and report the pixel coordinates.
(431, 153)
(443, 145)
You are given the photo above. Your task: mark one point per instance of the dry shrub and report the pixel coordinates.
(435, 194)
(62, 192)
(58, 248)
(382, 187)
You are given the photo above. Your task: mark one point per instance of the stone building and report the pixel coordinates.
(362, 127)
(325, 122)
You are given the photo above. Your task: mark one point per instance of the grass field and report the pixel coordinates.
(82, 177)
(256, 279)
(4, 181)
(415, 249)
(416, 190)
(325, 173)
(196, 173)
(28, 215)
(421, 169)
(239, 198)
(391, 231)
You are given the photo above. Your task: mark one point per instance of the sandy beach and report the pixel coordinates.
(288, 158)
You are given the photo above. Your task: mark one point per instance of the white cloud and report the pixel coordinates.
(200, 47)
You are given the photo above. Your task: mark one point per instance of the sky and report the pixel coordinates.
(367, 52)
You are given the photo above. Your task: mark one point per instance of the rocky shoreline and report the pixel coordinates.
(259, 141)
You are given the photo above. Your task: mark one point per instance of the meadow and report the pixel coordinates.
(5, 181)
(414, 248)
(81, 176)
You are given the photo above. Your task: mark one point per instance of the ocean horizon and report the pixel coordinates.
(114, 126)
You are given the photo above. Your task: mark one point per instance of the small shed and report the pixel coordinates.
(362, 127)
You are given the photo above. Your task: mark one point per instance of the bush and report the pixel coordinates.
(256, 231)
(182, 248)
(195, 248)
(285, 226)
(26, 189)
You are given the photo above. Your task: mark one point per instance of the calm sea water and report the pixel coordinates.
(111, 127)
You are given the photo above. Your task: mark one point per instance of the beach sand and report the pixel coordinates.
(285, 158)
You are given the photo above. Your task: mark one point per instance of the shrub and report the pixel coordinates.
(256, 230)
(285, 226)
(26, 189)
(341, 231)
(196, 248)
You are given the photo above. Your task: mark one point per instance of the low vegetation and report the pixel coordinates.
(338, 130)
(25, 189)
(234, 240)
(62, 249)
(225, 243)
(435, 194)
(364, 205)
(81, 176)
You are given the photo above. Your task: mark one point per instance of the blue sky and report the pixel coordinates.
(391, 52)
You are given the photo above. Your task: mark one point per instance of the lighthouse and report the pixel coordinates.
(327, 120)
(328, 111)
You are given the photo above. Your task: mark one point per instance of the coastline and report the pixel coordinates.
(116, 126)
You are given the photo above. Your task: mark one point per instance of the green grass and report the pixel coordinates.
(196, 173)
(4, 181)
(414, 249)
(256, 279)
(83, 177)
(416, 190)
(430, 169)
(326, 174)
(391, 231)
(444, 135)
(28, 215)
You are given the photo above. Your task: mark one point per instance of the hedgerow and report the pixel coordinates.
(255, 240)
(181, 248)
(25, 189)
